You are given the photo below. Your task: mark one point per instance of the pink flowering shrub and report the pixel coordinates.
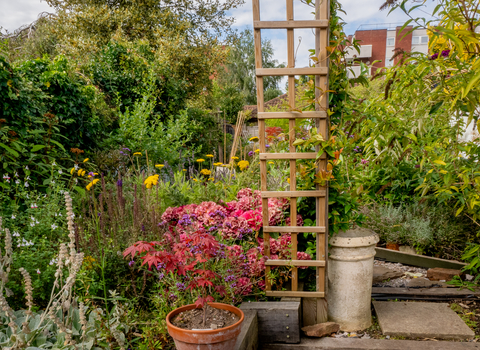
(233, 222)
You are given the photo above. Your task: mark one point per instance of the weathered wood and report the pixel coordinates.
(248, 338)
(433, 292)
(295, 229)
(306, 24)
(290, 115)
(302, 263)
(278, 322)
(296, 294)
(290, 194)
(290, 156)
(271, 72)
(417, 260)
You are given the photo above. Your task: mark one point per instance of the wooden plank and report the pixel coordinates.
(276, 262)
(433, 292)
(270, 72)
(291, 139)
(296, 294)
(417, 260)
(287, 156)
(290, 194)
(294, 229)
(278, 322)
(306, 24)
(290, 115)
(248, 338)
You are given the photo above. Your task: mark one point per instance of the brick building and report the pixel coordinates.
(379, 41)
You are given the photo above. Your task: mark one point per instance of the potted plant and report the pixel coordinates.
(205, 324)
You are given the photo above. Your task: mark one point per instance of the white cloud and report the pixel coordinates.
(15, 13)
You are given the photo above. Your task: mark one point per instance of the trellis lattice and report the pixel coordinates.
(320, 71)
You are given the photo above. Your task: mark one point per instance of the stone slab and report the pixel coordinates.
(439, 274)
(424, 283)
(381, 274)
(371, 344)
(248, 338)
(421, 320)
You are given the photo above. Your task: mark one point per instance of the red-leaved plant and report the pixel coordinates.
(191, 254)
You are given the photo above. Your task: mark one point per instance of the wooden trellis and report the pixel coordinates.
(320, 71)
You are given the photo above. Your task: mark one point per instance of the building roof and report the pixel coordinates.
(277, 101)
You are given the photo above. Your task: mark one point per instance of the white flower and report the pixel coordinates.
(16, 174)
(76, 166)
(38, 271)
(53, 164)
(54, 226)
(26, 184)
(6, 177)
(76, 180)
(53, 182)
(53, 261)
(26, 168)
(32, 224)
(17, 181)
(27, 178)
(13, 216)
(16, 234)
(27, 195)
(60, 171)
(34, 206)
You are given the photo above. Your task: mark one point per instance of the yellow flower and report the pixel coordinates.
(210, 179)
(257, 150)
(72, 171)
(288, 180)
(209, 155)
(85, 160)
(235, 158)
(205, 172)
(243, 164)
(254, 139)
(91, 184)
(151, 181)
(271, 163)
(47, 84)
(80, 172)
(137, 154)
(200, 160)
(217, 164)
(184, 169)
(9, 83)
(159, 166)
(88, 262)
(195, 180)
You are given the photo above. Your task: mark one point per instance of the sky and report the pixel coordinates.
(15, 13)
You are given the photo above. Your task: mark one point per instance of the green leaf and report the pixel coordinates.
(440, 162)
(412, 137)
(299, 142)
(459, 210)
(79, 190)
(58, 144)
(435, 107)
(37, 148)
(11, 151)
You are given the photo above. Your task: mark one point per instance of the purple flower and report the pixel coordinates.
(250, 154)
(91, 174)
(131, 263)
(445, 53)
(268, 146)
(417, 166)
(433, 57)
(180, 286)
(123, 154)
(126, 149)
(160, 277)
(365, 162)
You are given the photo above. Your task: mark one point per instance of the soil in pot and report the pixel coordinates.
(216, 318)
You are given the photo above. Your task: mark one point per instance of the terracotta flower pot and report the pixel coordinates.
(217, 339)
(393, 246)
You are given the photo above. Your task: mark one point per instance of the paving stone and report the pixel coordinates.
(381, 274)
(439, 274)
(321, 329)
(421, 320)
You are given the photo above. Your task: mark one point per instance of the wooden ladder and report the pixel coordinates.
(320, 71)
